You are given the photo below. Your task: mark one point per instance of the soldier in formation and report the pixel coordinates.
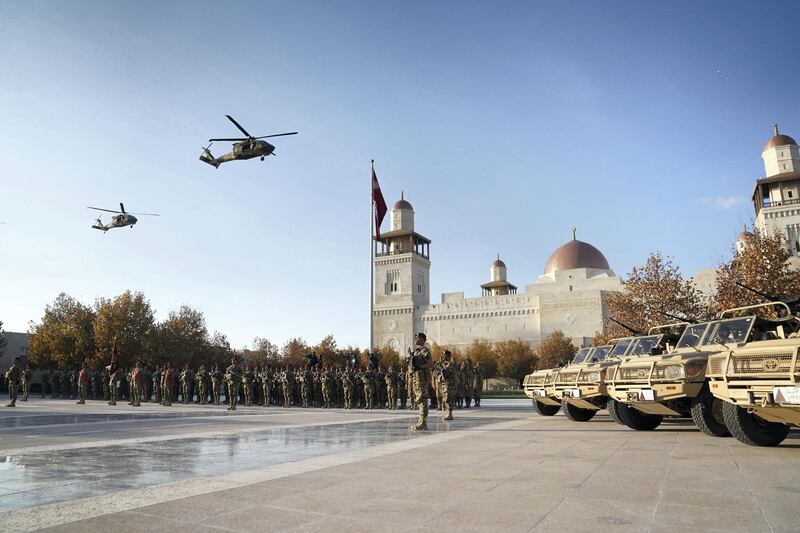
(421, 366)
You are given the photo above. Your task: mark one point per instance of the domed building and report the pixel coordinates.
(775, 196)
(567, 297)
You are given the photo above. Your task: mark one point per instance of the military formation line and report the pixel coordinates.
(317, 385)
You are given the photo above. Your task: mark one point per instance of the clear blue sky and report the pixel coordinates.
(506, 123)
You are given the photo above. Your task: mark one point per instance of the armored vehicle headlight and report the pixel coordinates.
(694, 368)
(593, 376)
(674, 372)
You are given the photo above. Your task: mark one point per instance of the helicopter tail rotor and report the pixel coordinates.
(208, 157)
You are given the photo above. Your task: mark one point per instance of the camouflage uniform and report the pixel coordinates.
(402, 391)
(84, 381)
(306, 381)
(326, 379)
(266, 387)
(216, 384)
(202, 385)
(13, 375)
(421, 383)
(468, 377)
(137, 386)
(114, 377)
(288, 387)
(167, 381)
(55, 384)
(391, 388)
(447, 373)
(26, 383)
(247, 386)
(367, 378)
(478, 385)
(187, 380)
(347, 389)
(233, 380)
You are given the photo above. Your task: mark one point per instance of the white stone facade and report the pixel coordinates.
(570, 300)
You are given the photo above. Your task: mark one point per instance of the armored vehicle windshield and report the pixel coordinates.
(580, 356)
(599, 354)
(645, 345)
(621, 347)
(733, 330)
(692, 336)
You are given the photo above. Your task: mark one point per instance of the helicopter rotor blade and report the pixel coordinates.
(148, 214)
(121, 207)
(276, 135)
(239, 126)
(235, 140)
(101, 209)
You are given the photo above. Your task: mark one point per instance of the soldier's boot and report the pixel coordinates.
(449, 413)
(12, 404)
(421, 424)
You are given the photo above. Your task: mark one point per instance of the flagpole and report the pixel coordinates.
(371, 260)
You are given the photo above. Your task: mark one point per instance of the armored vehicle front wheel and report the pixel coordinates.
(751, 429)
(577, 414)
(635, 419)
(612, 406)
(544, 409)
(707, 414)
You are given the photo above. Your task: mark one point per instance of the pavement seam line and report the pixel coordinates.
(59, 513)
(662, 482)
(749, 489)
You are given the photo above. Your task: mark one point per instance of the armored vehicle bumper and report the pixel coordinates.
(765, 383)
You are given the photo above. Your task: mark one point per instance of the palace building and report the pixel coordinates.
(568, 296)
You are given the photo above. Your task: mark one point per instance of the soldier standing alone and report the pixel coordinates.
(12, 377)
(421, 365)
(83, 384)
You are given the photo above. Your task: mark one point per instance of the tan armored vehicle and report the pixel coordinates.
(539, 387)
(582, 385)
(759, 383)
(675, 385)
(580, 388)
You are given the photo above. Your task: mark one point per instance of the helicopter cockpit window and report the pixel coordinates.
(599, 354)
(580, 356)
(621, 347)
(734, 330)
(645, 344)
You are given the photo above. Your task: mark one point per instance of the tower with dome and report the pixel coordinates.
(567, 296)
(775, 196)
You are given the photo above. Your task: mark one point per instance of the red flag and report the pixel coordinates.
(378, 204)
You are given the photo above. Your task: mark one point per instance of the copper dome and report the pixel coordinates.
(779, 140)
(402, 204)
(576, 254)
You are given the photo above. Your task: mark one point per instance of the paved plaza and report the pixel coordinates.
(498, 468)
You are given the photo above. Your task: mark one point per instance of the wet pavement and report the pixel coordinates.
(31, 479)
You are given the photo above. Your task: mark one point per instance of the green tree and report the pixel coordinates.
(183, 337)
(128, 317)
(655, 287)
(65, 336)
(763, 264)
(515, 359)
(481, 351)
(556, 349)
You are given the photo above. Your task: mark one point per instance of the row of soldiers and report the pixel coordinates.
(315, 385)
